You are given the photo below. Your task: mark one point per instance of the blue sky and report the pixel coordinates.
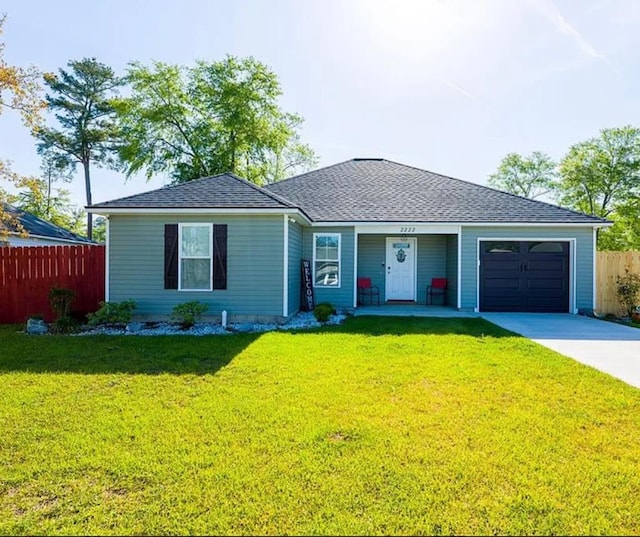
(451, 86)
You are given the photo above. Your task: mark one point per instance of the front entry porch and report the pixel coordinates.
(402, 266)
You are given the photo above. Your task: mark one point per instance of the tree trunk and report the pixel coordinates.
(232, 143)
(87, 185)
(48, 213)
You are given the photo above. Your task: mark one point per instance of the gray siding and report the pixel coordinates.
(295, 269)
(452, 270)
(583, 255)
(254, 265)
(432, 261)
(372, 260)
(343, 296)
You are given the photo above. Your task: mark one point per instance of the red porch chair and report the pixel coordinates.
(365, 289)
(438, 287)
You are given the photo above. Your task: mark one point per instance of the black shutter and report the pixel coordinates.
(219, 256)
(171, 256)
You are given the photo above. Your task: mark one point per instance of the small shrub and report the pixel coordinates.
(64, 325)
(112, 313)
(188, 313)
(628, 291)
(323, 311)
(60, 300)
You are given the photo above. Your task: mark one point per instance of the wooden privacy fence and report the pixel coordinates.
(610, 265)
(28, 273)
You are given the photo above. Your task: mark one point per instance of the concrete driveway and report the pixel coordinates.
(608, 347)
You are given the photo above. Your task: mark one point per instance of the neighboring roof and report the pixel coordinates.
(224, 191)
(39, 227)
(378, 190)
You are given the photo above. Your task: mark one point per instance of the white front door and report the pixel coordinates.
(401, 269)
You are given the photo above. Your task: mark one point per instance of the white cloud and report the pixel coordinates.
(552, 13)
(456, 87)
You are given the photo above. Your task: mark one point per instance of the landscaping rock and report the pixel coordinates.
(301, 320)
(37, 326)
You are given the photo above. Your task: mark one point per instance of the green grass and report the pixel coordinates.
(378, 426)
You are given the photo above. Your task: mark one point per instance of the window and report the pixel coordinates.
(547, 247)
(195, 266)
(493, 247)
(326, 259)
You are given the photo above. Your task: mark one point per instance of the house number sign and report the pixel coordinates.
(407, 230)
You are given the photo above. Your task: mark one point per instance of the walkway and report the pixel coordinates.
(412, 310)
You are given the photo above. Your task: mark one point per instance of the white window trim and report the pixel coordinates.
(339, 260)
(180, 257)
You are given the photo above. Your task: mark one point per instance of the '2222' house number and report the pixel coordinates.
(407, 230)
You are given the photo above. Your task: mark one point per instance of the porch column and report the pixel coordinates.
(459, 286)
(285, 268)
(355, 268)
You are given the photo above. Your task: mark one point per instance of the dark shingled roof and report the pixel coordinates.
(224, 191)
(378, 190)
(38, 226)
(359, 190)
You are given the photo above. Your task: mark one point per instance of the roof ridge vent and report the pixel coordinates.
(374, 159)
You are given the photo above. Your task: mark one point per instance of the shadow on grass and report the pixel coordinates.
(200, 355)
(142, 355)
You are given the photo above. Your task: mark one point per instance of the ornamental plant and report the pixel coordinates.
(60, 299)
(628, 291)
(188, 313)
(323, 311)
(112, 313)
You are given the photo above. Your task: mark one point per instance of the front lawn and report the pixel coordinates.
(378, 426)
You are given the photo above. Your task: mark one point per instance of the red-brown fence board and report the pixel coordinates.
(28, 273)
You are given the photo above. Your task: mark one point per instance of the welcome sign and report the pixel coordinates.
(308, 302)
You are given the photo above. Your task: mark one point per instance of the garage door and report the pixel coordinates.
(524, 276)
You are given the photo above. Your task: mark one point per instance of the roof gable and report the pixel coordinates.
(223, 191)
(378, 190)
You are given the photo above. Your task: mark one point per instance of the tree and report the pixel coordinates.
(21, 85)
(601, 176)
(625, 232)
(100, 229)
(87, 133)
(602, 173)
(54, 205)
(39, 196)
(208, 119)
(530, 176)
(19, 91)
(54, 168)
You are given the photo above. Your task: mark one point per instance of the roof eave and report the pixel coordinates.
(50, 238)
(348, 223)
(97, 209)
